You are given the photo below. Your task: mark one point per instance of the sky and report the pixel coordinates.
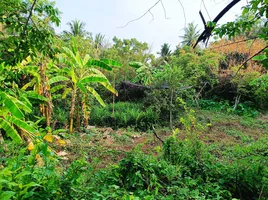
(107, 16)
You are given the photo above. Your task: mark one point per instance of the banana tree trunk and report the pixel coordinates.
(72, 109)
(170, 109)
(46, 110)
(77, 118)
(113, 96)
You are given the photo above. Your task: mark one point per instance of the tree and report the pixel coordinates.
(165, 51)
(26, 29)
(128, 50)
(15, 104)
(190, 34)
(79, 73)
(258, 11)
(77, 29)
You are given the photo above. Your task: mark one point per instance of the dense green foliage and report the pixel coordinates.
(60, 113)
(185, 170)
(125, 115)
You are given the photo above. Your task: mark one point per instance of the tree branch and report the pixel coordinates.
(224, 45)
(148, 11)
(208, 30)
(250, 59)
(183, 10)
(28, 19)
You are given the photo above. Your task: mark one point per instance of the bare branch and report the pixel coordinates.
(148, 11)
(152, 16)
(183, 12)
(250, 59)
(28, 19)
(205, 9)
(224, 45)
(163, 6)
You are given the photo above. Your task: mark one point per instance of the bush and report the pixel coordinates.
(242, 109)
(125, 115)
(186, 170)
(245, 177)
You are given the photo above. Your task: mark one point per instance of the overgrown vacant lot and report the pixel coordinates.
(84, 117)
(225, 132)
(228, 156)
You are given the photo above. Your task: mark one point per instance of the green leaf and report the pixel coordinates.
(96, 95)
(21, 124)
(7, 195)
(11, 103)
(23, 173)
(93, 78)
(81, 87)
(109, 87)
(10, 131)
(98, 63)
(57, 79)
(33, 95)
(30, 84)
(66, 92)
(70, 55)
(135, 64)
(259, 57)
(112, 63)
(57, 88)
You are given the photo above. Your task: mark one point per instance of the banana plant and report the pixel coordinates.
(39, 82)
(13, 105)
(78, 74)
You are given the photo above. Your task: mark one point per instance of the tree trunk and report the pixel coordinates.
(77, 118)
(113, 97)
(170, 109)
(44, 88)
(237, 99)
(72, 109)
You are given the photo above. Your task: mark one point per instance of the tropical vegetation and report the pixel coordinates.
(85, 118)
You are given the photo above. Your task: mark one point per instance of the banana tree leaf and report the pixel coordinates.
(135, 64)
(33, 95)
(72, 73)
(29, 84)
(11, 104)
(70, 56)
(98, 63)
(57, 79)
(86, 58)
(109, 87)
(21, 124)
(93, 79)
(24, 106)
(26, 101)
(96, 95)
(57, 88)
(10, 131)
(81, 87)
(112, 63)
(66, 92)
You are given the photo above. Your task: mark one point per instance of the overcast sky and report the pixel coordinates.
(105, 16)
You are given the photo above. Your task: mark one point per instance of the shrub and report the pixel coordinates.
(125, 115)
(242, 109)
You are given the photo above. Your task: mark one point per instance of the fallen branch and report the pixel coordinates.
(155, 134)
